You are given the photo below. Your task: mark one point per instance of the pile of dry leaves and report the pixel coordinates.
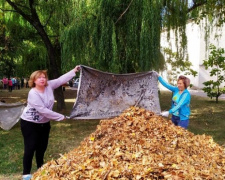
(139, 145)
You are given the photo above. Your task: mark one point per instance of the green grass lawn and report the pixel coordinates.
(207, 118)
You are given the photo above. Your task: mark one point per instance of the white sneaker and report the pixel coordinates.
(26, 177)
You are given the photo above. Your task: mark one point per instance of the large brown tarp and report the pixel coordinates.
(10, 114)
(105, 95)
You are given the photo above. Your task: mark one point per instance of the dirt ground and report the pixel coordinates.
(21, 95)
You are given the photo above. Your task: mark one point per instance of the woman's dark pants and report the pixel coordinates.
(35, 141)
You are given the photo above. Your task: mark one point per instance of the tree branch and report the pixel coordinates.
(7, 10)
(34, 20)
(44, 25)
(20, 5)
(124, 12)
(34, 12)
(18, 10)
(197, 5)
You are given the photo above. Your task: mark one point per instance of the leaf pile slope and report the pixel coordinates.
(139, 145)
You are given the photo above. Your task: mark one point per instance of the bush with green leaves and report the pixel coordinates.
(216, 64)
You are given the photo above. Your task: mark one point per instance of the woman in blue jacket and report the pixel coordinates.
(180, 109)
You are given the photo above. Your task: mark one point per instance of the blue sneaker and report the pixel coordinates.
(27, 177)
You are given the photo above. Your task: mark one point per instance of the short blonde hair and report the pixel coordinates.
(35, 75)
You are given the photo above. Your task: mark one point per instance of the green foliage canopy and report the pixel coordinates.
(122, 36)
(27, 51)
(117, 36)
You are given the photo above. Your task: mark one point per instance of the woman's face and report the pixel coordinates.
(41, 80)
(180, 85)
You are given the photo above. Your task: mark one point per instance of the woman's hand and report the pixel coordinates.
(66, 117)
(157, 74)
(77, 69)
(165, 114)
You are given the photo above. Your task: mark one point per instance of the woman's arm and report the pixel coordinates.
(167, 85)
(55, 83)
(185, 98)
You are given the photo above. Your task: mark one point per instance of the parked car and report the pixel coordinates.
(76, 83)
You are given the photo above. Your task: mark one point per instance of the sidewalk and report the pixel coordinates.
(202, 93)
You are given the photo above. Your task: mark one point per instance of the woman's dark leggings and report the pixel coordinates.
(35, 140)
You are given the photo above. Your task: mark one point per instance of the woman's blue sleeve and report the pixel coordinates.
(184, 100)
(167, 85)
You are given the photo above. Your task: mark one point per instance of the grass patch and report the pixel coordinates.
(207, 118)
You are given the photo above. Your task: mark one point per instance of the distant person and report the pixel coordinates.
(18, 83)
(13, 82)
(27, 80)
(1, 85)
(35, 119)
(5, 82)
(180, 109)
(10, 85)
(22, 82)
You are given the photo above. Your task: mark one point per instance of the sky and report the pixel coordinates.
(190, 2)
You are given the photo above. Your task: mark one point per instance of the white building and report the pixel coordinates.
(197, 47)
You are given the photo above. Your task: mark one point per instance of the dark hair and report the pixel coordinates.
(185, 80)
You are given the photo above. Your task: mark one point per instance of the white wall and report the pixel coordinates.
(197, 47)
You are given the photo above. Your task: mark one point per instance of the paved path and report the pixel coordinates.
(203, 94)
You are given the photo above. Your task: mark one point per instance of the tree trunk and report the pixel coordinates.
(54, 72)
(217, 99)
(54, 65)
(59, 96)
